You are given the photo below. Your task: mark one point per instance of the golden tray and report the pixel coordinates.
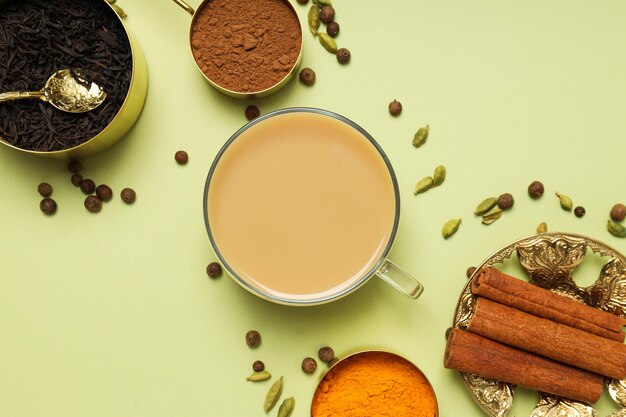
(550, 260)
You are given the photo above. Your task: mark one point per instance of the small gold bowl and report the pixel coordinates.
(125, 118)
(366, 383)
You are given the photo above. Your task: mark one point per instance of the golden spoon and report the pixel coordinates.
(67, 90)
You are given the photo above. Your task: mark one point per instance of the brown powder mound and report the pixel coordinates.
(246, 46)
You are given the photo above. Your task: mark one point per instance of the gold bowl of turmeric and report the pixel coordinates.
(374, 383)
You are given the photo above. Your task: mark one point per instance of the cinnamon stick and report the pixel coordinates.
(468, 352)
(548, 338)
(505, 289)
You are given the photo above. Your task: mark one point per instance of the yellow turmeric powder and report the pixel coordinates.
(373, 384)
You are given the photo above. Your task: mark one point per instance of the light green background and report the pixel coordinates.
(113, 314)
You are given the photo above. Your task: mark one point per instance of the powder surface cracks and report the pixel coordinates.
(246, 46)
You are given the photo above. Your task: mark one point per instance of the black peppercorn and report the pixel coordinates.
(44, 189)
(181, 157)
(253, 338)
(343, 57)
(258, 366)
(327, 14)
(326, 354)
(395, 108)
(470, 271)
(128, 195)
(618, 212)
(535, 189)
(307, 76)
(505, 201)
(48, 206)
(252, 112)
(309, 365)
(332, 29)
(104, 192)
(214, 270)
(87, 186)
(77, 179)
(74, 166)
(93, 203)
(579, 211)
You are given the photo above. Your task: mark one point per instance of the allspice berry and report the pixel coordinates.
(579, 211)
(44, 189)
(618, 212)
(87, 186)
(332, 29)
(309, 365)
(307, 76)
(93, 204)
(258, 366)
(252, 112)
(104, 192)
(253, 338)
(343, 57)
(470, 271)
(327, 14)
(214, 270)
(535, 189)
(128, 195)
(395, 108)
(74, 166)
(303, 1)
(181, 157)
(76, 179)
(48, 206)
(326, 354)
(505, 201)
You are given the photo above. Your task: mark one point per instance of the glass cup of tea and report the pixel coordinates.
(302, 207)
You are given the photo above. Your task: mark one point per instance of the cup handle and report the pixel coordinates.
(395, 276)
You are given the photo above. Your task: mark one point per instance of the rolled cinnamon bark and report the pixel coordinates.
(505, 289)
(468, 352)
(548, 338)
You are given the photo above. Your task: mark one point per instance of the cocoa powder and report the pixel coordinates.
(246, 46)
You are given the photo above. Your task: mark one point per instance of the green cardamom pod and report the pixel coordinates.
(120, 12)
(542, 228)
(439, 176)
(314, 19)
(286, 407)
(324, 2)
(273, 394)
(327, 42)
(259, 376)
(423, 185)
(616, 229)
(565, 201)
(450, 228)
(420, 137)
(492, 216)
(486, 205)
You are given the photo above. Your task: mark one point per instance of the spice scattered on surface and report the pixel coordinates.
(286, 408)
(420, 136)
(128, 195)
(48, 206)
(485, 206)
(505, 201)
(332, 29)
(259, 376)
(252, 112)
(618, 212)
(439, 176)
(423, 185)
(273, 395)
(181, 157)
(395, 108)
(76, 179)
(565, 202)
(253, 338)
(44, 189)
(327, 14)
(373, 384)
(307, 76)
(93, 204)
(87, 186)
(470, 271)
(535, 189)
(493, 215)
(327, 42)
(303, 1)
(542, 227)
(258, 366)
(450, 228)
(74, 166)
(104, 192)
(343, 56)
(580, 211)
(214, 270)
(326, 354)
(309, 365)
(313, 18)
(616, 229)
